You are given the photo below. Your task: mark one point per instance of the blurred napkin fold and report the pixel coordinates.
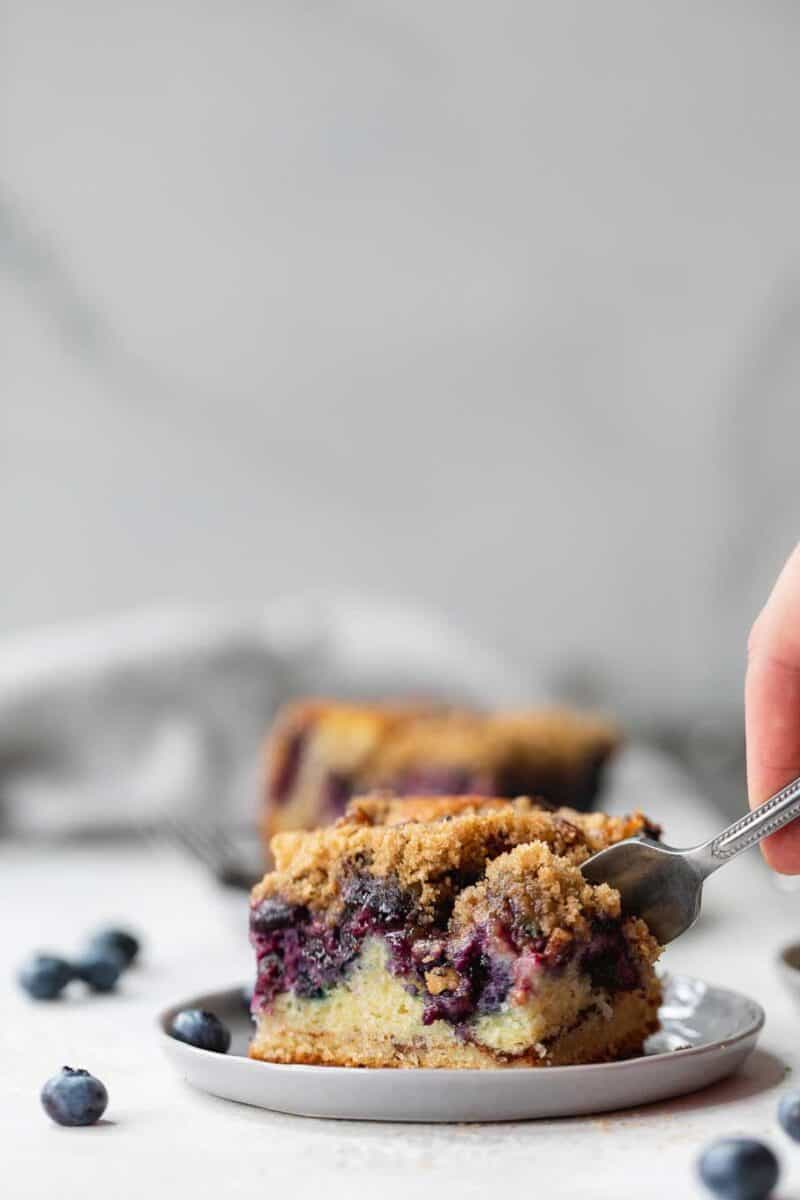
(160, 716)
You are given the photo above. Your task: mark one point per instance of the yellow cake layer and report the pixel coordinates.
(371, 1020)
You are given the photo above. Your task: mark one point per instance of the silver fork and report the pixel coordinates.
(234, 854)
(664, 885)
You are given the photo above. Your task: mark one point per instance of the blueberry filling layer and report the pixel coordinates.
(338, 787)
(458, 978)
(607, 959)
(443, 781)
(288, 769)
(336, 791)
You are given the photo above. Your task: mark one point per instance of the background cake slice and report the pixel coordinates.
(319, 754)
(449, 932)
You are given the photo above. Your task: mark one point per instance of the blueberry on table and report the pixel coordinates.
(100, 969)
(45, 976)
(74, 1097)
(789, 1114)
(739, 1169)
(119, 941)
(199, 1028)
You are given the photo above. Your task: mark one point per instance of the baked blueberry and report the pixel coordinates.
(272, 914)
(384, 902)
(45, 976)
(200, 1028)
(789, 1114)
(74, 1097)
(739, 1169)
(100, 969)
(120, 941)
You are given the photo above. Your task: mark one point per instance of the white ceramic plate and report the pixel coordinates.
(707, 1033)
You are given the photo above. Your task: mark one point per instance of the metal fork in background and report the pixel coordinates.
(234, 854)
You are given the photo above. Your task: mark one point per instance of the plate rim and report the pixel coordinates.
(643, 1061)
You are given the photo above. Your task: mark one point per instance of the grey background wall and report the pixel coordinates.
(492, 306)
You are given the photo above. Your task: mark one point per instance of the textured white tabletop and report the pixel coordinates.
(161, 1137)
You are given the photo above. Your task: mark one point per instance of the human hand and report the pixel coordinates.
(772, 708)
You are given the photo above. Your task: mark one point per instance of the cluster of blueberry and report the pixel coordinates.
(108, 953)
(743, 1168)
(75, 1097)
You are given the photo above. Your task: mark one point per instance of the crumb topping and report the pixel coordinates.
(543, 891)
(434, 847)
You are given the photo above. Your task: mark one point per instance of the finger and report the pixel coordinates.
(772, 708)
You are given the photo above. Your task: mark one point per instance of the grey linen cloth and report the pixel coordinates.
(160, 716)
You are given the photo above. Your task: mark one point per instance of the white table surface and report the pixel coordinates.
(163, 1138)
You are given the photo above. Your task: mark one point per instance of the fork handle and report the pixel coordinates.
(769, 817)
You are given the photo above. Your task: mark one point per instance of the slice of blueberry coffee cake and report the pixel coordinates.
(319, 754)
(449, 932)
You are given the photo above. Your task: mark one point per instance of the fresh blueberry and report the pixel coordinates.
(202, 1029)
(100, 969)
(739, 1169)
(789, 1114)
(45, 976)
(74, 1097)
(119, 941)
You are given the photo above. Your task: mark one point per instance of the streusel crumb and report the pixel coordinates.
(429, 844)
